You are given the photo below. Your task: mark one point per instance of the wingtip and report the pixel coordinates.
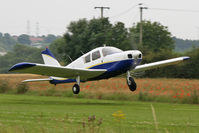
(186, 58)
(21, 66)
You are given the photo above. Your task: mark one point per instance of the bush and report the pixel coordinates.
(194, 97)
(141, 96)
(4, 86)
(50, 92)
(22, 88)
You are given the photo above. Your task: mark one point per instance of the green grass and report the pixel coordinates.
(33, 114)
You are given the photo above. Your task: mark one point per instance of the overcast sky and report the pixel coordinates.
(54, 16)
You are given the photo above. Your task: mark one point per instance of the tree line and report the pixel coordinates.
(182, 45)
(84, 35)
(7, 41)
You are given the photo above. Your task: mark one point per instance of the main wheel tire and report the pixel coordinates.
(76, 89)
(131, 83)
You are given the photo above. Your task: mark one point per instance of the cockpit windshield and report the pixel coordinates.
(110, 50)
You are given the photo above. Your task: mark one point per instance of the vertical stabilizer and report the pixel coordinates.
(49, 58)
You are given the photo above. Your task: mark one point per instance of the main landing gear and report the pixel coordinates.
(76, 88)
(130, 82)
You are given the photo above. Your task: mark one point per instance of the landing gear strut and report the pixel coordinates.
(130, 82)
(76, 88)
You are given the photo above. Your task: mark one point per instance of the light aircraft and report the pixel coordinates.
(100, 63)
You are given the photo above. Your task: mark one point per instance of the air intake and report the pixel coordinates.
(130, 56)
(140, 56)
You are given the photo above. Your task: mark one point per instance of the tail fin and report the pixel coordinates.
(49, 58)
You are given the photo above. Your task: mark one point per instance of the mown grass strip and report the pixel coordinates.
(32, 114)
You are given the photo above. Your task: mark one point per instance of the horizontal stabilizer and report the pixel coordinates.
(159, 64)
(37, 80)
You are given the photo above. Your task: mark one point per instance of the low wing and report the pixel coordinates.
(159, 64)
(57, 71)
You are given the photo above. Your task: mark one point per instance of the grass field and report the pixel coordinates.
(48, 109)
(33, 114)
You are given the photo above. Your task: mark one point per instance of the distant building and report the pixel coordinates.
(36, 39)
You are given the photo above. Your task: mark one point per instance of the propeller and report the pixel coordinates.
(135, 46)
(133, 43)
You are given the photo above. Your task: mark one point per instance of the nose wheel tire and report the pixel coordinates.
(131, 83)
(76, 89)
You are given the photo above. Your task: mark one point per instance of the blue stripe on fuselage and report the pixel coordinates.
(113, 69)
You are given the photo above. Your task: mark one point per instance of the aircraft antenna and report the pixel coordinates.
(82, 52)
(70, 58)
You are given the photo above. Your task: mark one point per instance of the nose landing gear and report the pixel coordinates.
(130, 82)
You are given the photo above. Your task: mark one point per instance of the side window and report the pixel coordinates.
(95, 55)
(105, 52)
(87, 58)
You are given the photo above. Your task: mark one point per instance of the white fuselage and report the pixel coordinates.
(114, 60)
(117, 55)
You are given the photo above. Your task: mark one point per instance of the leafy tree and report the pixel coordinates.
(185, 45)
(98, 31)
(1, 35)
(119, 37)
(23, 39)
(191, 68)
(57, 48)
(8, 40)
(50, 38)
(155, 36)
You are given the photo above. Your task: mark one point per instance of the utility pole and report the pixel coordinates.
(102, 10)
(141, 21)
